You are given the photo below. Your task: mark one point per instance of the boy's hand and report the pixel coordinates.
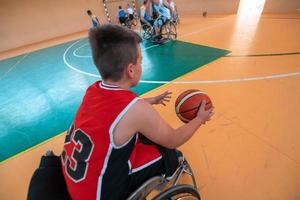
(205, 115)
(162, 98)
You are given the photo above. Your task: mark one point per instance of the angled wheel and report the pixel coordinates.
(179, 192)
(128, 23)
(172, 31)
(176, 19)
(147, 31)
(134, 21)
(168, 31)
(164, 31)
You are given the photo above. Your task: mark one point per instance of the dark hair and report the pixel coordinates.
(113, 48)
(89, 12)
(120, 7)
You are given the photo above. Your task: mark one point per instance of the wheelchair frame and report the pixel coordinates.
(167, 31)
(160, 183)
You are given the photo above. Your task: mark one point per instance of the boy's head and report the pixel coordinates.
(120, 7)
(115, 51)
(89, 12)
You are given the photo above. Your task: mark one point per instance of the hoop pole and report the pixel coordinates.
(106, 11)
(134, 8)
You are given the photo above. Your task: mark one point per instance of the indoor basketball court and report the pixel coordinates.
(244, 54)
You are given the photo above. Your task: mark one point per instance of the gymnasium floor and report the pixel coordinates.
(249, 150)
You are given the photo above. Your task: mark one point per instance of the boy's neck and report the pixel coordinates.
(121, 84)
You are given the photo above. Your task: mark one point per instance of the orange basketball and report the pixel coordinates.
(188, 103)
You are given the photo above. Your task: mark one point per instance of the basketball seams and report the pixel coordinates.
(186, 97)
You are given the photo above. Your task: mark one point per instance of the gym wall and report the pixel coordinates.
(113, 6)
(25, 22)
(282, 6)
(210, 6)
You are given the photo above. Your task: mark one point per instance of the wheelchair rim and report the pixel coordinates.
(179, 192)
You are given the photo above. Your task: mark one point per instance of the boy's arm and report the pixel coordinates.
(145, 119)
(149, 8)
(166, 4)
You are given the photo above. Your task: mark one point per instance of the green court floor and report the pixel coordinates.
(41, 91)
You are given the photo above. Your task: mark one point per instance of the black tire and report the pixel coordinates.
(134, 21)
(147, 31)
(179, 192)
(168, 31)
(177, 21)
(164, 31)
(172, 31)
(128, 23)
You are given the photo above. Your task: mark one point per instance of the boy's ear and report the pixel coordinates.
(130, 70)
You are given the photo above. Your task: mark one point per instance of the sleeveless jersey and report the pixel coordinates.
(93, 166)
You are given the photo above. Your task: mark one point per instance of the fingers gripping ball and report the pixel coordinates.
(188, 103)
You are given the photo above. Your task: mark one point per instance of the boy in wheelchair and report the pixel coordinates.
(117, 140)
(164, 11)
(145, 17)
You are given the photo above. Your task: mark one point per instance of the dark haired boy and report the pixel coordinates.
(104, 154)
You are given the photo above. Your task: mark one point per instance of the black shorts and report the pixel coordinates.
(122, 20)
(131, 16)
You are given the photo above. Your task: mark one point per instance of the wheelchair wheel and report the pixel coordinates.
(134, 21)
(168, 31)
(179, 192)
(147, 31)
(176, 20)
(128, 23)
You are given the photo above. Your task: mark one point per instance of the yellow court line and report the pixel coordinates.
(31, 148)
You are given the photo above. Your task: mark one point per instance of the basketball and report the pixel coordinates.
(188, 103)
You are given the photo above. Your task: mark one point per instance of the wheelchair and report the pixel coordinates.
(48, 183)
(169, 187)
(128, 22)
(146, 30)
(167, 31)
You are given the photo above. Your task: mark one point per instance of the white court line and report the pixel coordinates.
(73, 68)
(80, 56)
(268, 77)
(12, 67)
(273, 76)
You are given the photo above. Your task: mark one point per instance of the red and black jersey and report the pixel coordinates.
(93, 166)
